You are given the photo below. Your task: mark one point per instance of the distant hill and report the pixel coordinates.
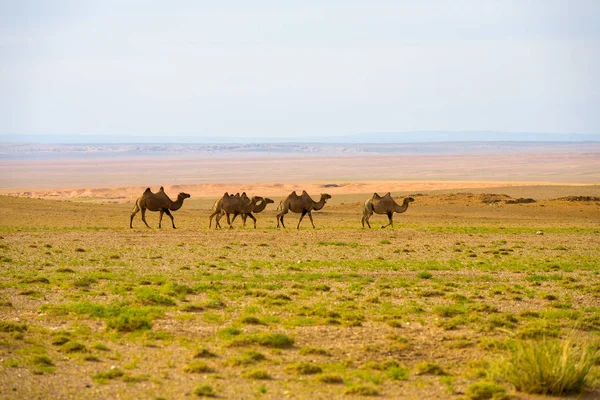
(365, 138)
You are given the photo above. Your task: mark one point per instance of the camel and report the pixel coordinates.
(383, 205)
(301, 204)
(157, 202)
(237, 206)
(257, 208)
(219, 204)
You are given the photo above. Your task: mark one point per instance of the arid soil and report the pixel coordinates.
(92, 309)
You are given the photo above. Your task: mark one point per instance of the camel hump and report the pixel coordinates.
(226, 194)
(162, 189)
(376, 196)
(147, 191)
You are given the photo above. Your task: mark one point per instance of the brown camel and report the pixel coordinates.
(301, 204)
(157, 202)
(383, 205)
(236, 206)
(257, 208)
(219, 204)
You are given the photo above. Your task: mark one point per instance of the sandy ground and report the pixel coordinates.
(120, 180)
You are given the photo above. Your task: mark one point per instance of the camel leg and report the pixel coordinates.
(136, 209)
(172, 220)
(280, 218)
(253, 219)
(368, 217)
(390, 219)
(311, 221)
(162, 211)
(217, 223)
(144, 217)
(235, 216)
(244, 218)
(302, 216)
(211, 218)
(230, 222)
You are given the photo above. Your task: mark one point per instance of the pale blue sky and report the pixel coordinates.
(289, 69)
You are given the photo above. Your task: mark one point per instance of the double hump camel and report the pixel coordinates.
(157, 202)
(303, 204)
(383, 205)
(238, 205)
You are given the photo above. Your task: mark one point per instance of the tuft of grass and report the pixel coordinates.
(249, 357)
(259, 374)
(314, 351)
(486, 390)
(330, 378)
(538, 329)
(197, 367)
(60, 340)
(204, 353)
(424, 275)
(304, 368)
(204, 390)
(274, 340)
(6, 326)
(104, 377)
(73, 347)
(363, 390)
(251, 320)
(550, 366)
(429, 368)
(129, 323)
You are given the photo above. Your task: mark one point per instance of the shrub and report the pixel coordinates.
(550, 366)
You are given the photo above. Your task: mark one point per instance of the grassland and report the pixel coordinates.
(433, 309)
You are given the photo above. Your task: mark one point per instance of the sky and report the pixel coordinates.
(298, 69)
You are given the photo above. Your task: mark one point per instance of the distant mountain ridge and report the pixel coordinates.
(372, 137)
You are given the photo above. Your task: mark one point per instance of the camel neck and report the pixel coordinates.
(176, 205)
(401, 208)
(318, 205)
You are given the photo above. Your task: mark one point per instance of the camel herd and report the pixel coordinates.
(245, 206)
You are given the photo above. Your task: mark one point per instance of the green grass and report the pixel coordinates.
(550, 366)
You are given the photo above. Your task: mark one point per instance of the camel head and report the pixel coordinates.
(268, 200)
(409, 200)
(183, 195)
(256, 199)
(325, 196)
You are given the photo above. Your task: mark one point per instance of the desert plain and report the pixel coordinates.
(443, 306)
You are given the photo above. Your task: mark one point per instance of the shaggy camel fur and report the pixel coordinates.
(157, 202)
(218, 206)
(383, 205)
(257, 208)
(301, 204)
(236, 207)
